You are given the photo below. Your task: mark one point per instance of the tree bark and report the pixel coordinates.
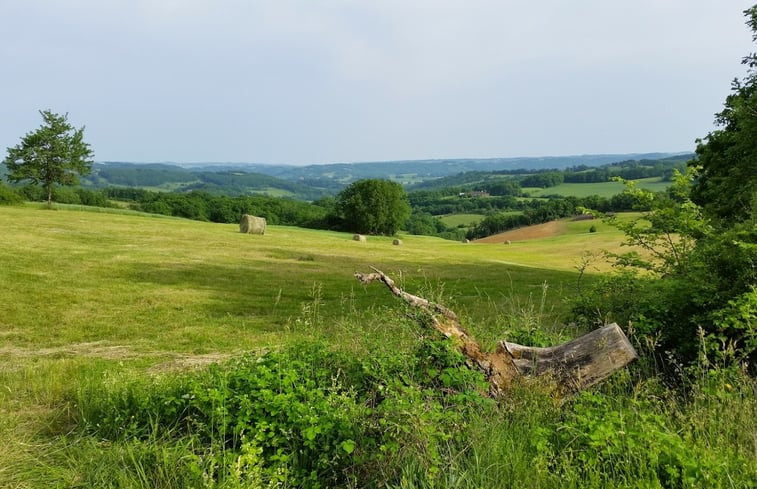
(575, 365)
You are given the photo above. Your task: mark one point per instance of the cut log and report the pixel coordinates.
(575, 365)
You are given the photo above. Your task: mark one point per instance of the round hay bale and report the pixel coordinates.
(397, 242)
(252, 224)
(359, 237)
(466, 240)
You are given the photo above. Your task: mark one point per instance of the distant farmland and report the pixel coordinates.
(603, 189)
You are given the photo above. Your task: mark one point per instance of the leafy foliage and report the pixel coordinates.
(632, 441)
(692, 274)
(668, 228)
(304, 416)
(9, 196)
(726, 161)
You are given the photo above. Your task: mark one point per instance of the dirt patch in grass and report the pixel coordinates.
(188, 362)
(101, 349)
(552, 228)
(90, 349)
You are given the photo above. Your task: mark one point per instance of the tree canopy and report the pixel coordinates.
(53, 154)
(373, 206)
(726, 162)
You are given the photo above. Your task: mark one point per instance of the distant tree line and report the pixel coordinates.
(627, 170)
(423, 223)
(201, 206)
(544, 178)
(225, 182)
(441, 202)
(204, 206)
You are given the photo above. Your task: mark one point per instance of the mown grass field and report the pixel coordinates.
(164, 283)
(93, 298)
(467, 220)
(602, 189)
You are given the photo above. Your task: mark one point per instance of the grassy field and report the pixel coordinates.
(173, 284)
(603, 189)
(467, 220)
(92, 299)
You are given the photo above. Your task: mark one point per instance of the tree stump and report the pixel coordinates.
(575, 365)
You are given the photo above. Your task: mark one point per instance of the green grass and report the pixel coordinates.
(158, 284)
(105, 297)
(455, 220)
(603, 189)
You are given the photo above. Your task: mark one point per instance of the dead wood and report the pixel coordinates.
(575, 365)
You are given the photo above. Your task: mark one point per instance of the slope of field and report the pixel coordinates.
(537, 231)
(196, 287)
(160, 287)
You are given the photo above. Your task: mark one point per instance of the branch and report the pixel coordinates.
(498, 367)
(454, 329)
(575, 365)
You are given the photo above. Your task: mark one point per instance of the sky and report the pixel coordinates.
(316, 81)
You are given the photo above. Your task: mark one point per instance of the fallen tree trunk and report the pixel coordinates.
(575, 365)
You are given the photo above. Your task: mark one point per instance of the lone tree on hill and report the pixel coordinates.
(53, 154)
(373, 206)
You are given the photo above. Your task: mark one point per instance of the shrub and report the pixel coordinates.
(304, 416)
(9, 196)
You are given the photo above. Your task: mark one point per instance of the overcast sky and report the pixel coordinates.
(311, 81)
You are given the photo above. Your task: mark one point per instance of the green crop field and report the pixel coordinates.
(454, 220)
(95, 301)
(603, 189)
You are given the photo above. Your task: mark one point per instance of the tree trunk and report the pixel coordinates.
(575, 365)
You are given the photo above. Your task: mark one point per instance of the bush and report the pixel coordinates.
(9, 196)
(66, 195)
(33, 193)
(305, 416)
